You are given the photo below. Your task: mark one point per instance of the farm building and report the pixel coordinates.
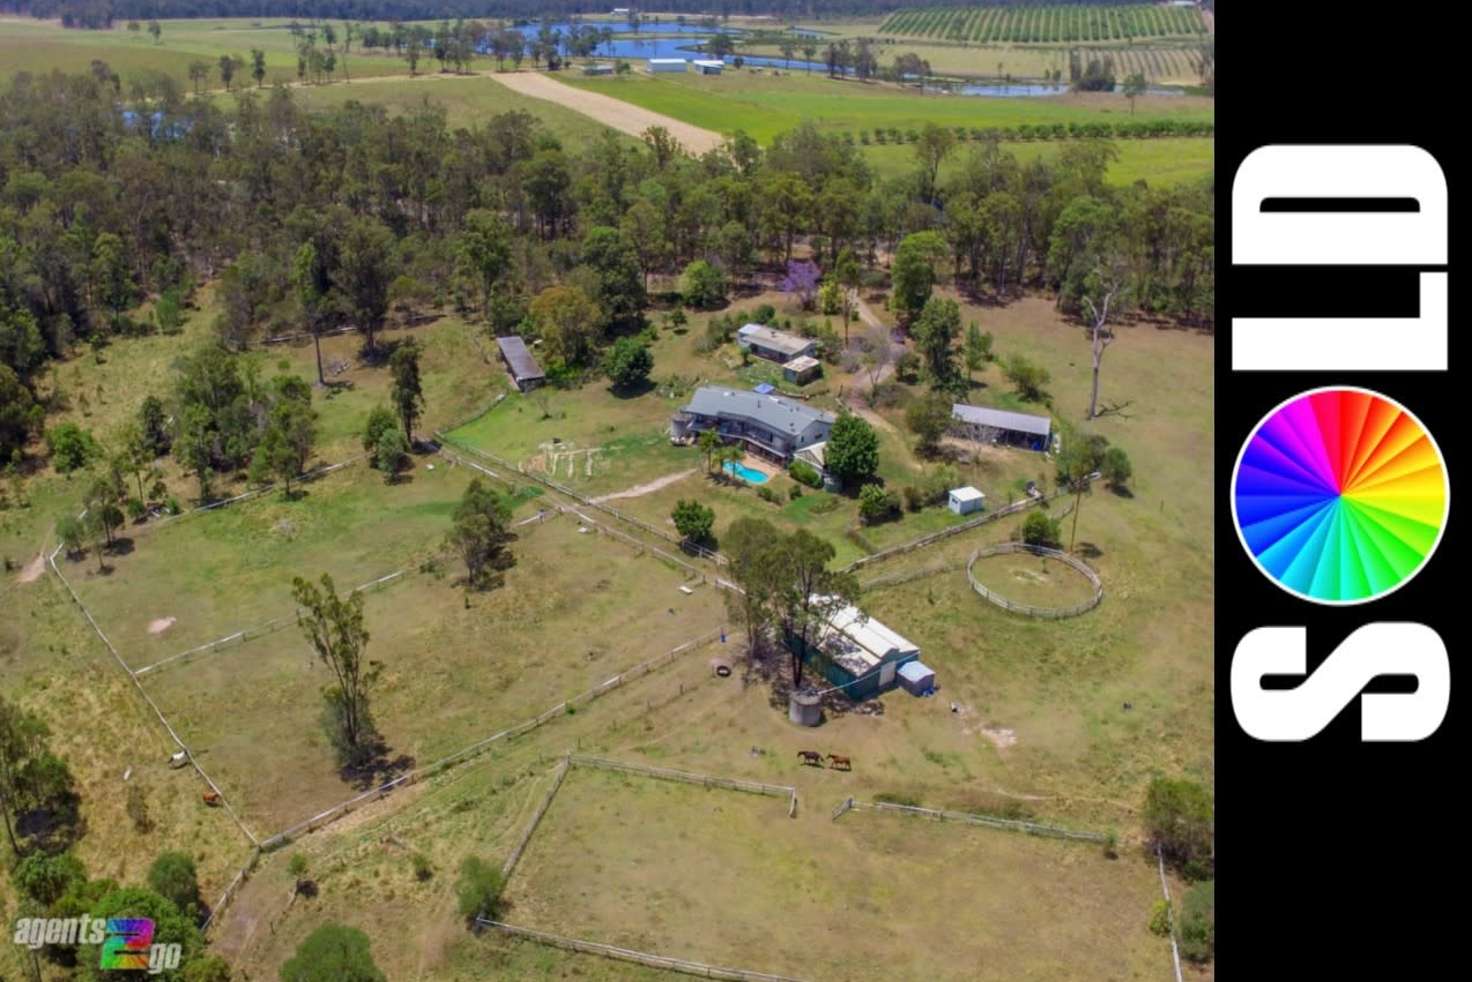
(774, 345)
(916, 678)
(599, 68)
(986, 425)
(525, 371)
(707, 67)
(858, 653)
(964, 501)
(802, 369)
(668, 65)
(768, 426)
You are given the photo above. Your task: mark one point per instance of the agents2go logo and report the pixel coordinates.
(1339, 496)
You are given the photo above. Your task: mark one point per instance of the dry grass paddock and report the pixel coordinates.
(726, 878)
(230, 569)
(576, 609)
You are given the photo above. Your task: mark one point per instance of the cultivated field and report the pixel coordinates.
(765, 104)
(1159, 162)
(1030, 23)
(870, 896)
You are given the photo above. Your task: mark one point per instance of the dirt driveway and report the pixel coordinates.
(622, 116)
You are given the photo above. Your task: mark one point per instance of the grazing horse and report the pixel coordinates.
(840, 763)
(212, 798)
(811, 757)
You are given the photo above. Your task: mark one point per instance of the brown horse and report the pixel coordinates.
(212, 798)
(840, 763)
(811, 757)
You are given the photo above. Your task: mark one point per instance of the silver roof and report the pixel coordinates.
(778, 415)
(767, 337)
(523, 365)
(1002, 419)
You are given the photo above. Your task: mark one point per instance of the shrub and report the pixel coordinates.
(478, 889)
(794, 492)
(1198, 922)
(1040, 530)
(380, 421)
(703, 286)
(907, 368)
(333, 952)
(422, 868)
(877, 505)
(172, 877)
(764, 314)
(389, 454)
(297, 864)
(1028, 377)
(45, 878)
(1178, 816)
(852, 454)
(1160, 918)
(693, 520)
(767, 494)
(71, 447)
(628, 363)
(1116, 467)
(805, 473)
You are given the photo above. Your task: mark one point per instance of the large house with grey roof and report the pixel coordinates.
(767, 425)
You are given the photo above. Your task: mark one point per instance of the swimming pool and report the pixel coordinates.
(745, 473)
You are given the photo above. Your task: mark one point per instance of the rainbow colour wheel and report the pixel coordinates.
(1340, 495)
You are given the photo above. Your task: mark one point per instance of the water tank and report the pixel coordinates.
(805, 707)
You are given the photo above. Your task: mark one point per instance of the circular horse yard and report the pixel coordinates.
(1034, 580)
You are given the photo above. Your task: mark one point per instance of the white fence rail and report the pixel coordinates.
(1009, 824)
(1030, 610)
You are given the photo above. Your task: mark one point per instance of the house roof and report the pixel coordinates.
(802, 363)
(666, 61)
(968, 493)
(709, 63)
(788, 344)
(778, 415)
(859, 643)
(1003, 419)
(523, 365)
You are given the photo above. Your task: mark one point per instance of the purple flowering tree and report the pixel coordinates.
(802, 281)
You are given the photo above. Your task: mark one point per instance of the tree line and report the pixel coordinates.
(355, 218)
(102, 13)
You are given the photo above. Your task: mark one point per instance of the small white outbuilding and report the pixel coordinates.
(964, 501)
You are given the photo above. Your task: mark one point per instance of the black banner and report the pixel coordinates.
(1333, 848)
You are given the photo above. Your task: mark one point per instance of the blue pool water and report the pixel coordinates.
(745, 473)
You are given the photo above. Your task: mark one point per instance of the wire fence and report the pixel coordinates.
(1031, 610)
(646, 547)
(946, 533)
(234, 887)
(688, 777)
(1175, 949)
(699, 969)
(909, 575)
(409, 778)
(263, 629)
(178, 741)
(583, 499)
(509, 866)
(303, 477)
(990, 821)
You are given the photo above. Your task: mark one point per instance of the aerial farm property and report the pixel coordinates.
(611, 496)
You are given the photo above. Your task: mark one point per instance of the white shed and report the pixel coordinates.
(668, 64)
(965, 500)
(706, 66)
(917, 678)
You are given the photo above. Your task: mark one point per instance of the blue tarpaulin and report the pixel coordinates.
(764, 388)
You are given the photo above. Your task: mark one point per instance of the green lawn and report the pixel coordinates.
(764, 104)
